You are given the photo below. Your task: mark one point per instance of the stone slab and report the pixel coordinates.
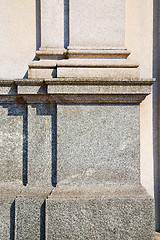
(12, 141)
(41, 144)
(41, 73)
(8, 193)
(100, 216)
(5, 218)
(97, 72)
(97, 144)
(93, 89)
(30, 213)
(93, 63)
(32, 89)
(98, 53)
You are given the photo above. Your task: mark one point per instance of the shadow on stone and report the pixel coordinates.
(12, 221)
(21, 110)
(50, 110)
(42, 222)
(38, 24)
(66, 23)
(54, 73)
(42, 89)
(13, 90)
(156, 108)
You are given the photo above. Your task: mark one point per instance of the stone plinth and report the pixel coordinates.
(100, 213)
(79, 143)
(30, 212)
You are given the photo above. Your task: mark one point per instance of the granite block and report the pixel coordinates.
(28, 217)
(5, 223)
(8, 193)
(98, 144)
(97, 72)
(94, 89)
(30, 213)
(12, 141)
(100, 216)
(41, 144)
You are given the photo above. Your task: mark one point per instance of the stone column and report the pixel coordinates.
(96, 41)
(52, 29)
(97, 24)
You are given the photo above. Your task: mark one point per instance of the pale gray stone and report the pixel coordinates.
(30, 213)
(98, 144)
(108, 215)
(94, 89)
(8, 193)
(41, 144)
(28, 217)
(5, 222)
(52, 14)
(12, 141)
(91, 20)
(97, 72)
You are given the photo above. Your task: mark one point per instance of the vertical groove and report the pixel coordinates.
(66, 23)
(38, 24)
(12, 221)
(156, 109)
(42, 221)
(54, 144)
(25, 146)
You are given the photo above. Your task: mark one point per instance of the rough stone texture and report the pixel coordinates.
(93, 89)
(97, 144)
(100, 63)
(12, 141)
(97, 72)
(91, 20)
(41, 143)
(98, 53)
(8, 194)
(41, 73)
(30, 213)
(5, 205)
(107, 216)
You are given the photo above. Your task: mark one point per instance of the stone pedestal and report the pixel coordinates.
(75, 124)
(80, 143)
(122, 212)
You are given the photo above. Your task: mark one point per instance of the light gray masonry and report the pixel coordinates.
(70, 160)
(98, 144)
(103, 213)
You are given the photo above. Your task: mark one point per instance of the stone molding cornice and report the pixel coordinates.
(75, 90)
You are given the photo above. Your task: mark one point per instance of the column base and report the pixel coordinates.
(122, 68)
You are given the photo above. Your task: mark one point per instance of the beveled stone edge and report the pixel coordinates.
(40, 92)
(110, 191)
(77, 81)
(81, 52)
(83, 63)
(72, 98)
